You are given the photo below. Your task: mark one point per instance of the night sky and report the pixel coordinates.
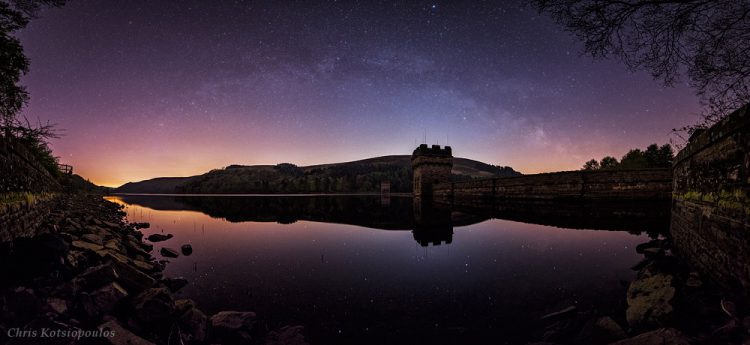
(150, 88)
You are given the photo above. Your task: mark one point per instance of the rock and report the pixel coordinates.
(175, 284)
(650, 244)
(187, 249)
(105, 252)
(169, 252)
(111, 225)
(662, 336)
(24, 302)
(147, 247)
(234, 327)
(183, 305)
(131, 278)
(652, 253)
(694, 280)
(559, 313)
(159, 237)
(195, 325)
(287, 335)
(143, 265)
(153, 307)
(609, 329)
(58, 305)
(53, 245)
(95, 277)
(96, 239)
(102, 301)
(115, 245)
(87, 246)
(649, 300)
(143, 225)
(121, 336)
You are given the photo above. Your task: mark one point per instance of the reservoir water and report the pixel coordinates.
(372, 270)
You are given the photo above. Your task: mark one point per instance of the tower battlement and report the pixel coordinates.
(435, 150)
(430, 165)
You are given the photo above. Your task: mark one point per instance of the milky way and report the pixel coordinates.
(146, 88)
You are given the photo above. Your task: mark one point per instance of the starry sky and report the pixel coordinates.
(174, 88)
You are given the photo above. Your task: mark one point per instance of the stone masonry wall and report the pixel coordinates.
(20, 172)
(22, 218)
(27, 191)
(710, 208)
(646, 184)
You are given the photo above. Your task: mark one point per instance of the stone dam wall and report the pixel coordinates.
(646, 184)
(27, 191)
(710, 207)
(21, 172)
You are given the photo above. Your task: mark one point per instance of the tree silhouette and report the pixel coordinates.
(15, 15)
(591, 165)
(609, 163)
(708, 40)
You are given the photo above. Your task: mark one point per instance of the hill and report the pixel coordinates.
(348, 177)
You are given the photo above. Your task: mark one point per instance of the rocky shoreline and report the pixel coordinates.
(667, 303)
(88, 276)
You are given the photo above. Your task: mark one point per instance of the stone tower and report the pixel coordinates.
(430, 165)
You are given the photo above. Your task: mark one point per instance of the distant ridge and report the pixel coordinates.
(356, 176)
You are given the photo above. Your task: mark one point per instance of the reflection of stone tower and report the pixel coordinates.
(432, 223)
(430, 165)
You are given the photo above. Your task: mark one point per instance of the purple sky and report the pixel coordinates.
(151, 88)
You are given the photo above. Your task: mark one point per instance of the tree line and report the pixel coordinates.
(653, 156)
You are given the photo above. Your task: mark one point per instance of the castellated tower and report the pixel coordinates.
(430, 165)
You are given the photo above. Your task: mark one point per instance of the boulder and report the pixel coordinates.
(58, 305)
(609, 330)
(131, 278)
(234, 327)
(287, 335)
(183, 305)
(95, 277)
(153, 307)
(175, 284)
(187, 249)
(143, 225)
(159, 237)
(93, 238)
(169, 252)
(102, 301)
(640, 249)
(652, 253)
(121, 336)
(87, 246)
(115, 245)
(195, 325)
(143, 265)
(650, 300)
(662, 336)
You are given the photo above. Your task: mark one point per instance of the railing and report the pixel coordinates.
(65, 169)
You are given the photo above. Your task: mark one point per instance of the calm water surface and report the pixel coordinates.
(356, 269)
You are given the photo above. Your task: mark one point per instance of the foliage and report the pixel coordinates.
(593, 164)
(653, 157)
(15, 15)
(706, 40)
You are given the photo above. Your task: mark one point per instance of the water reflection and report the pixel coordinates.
(368, 271)
(432, 223)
